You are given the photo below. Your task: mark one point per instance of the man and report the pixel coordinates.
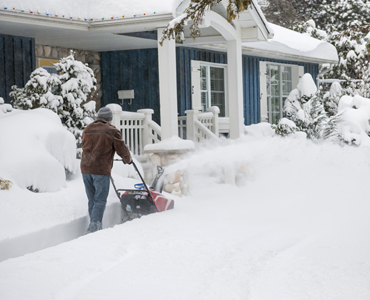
(100, 140)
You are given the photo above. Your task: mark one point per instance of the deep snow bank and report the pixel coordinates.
(36, 149)
(297, 229)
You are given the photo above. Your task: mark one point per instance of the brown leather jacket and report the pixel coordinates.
(100, 140)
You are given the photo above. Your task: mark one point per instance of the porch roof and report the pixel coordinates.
(288, 44)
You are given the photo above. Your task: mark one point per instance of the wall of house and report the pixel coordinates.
(251, 73)
(131, 70)
(17, 61)
(138, 70)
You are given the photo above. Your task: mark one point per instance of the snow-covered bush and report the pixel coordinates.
(66, 93)
(331, 99)
(4, 107)
(355, 128)
(36, 150)
(306, 112)
(285, 127)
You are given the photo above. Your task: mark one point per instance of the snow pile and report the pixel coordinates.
(355, 128)
(4, 107)
(36, 150)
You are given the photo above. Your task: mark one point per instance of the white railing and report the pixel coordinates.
(137, 129)
(197, 126)
(182, 127)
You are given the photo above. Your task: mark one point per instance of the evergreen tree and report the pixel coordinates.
(33, 94)
(75, 83)
(66, 93)
(195, 13)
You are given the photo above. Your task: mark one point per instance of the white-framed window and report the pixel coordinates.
(276, 82)
(209, 86)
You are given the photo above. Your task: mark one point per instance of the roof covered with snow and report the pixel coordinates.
(289, 43)
(91, 9)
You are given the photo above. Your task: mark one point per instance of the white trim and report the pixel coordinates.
(297, 73)
(196, 101)
(263, 91)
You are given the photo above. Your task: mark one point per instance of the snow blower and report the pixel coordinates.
(141, 200)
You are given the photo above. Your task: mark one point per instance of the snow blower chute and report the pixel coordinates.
(141, 200)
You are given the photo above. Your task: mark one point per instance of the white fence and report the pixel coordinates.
(138, 129)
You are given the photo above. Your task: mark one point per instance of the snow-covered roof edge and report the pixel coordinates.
(289, 44)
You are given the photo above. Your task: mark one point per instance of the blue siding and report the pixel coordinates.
(138, 70)
(131, 70)
(184, 58)
(17, 61)
(251, 86)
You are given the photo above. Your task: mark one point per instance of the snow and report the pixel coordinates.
(289, 42)
(295, 225)
(356, 115)
(173, 143)
(92, 9)
(36, 149)
(307, 86)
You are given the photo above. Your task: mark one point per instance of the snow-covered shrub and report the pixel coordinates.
(66, 93)
(4, 107)
(36, 150)
(331, 99)
(285, 127)
(355, 128)
(305, 109)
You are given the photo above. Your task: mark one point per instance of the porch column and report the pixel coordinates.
(235, 87)
(167, 86)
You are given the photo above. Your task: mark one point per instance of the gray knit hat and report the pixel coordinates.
(105, 113)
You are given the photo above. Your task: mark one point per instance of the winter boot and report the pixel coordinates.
(94, 226)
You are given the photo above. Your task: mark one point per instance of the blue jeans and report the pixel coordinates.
(97, 189)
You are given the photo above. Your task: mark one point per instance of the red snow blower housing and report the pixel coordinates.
(142, 200)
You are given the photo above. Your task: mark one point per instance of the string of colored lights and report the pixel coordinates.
(63, 16)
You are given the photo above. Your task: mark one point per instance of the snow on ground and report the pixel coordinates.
(295, 226)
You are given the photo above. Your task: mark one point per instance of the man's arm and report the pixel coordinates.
(121, 148)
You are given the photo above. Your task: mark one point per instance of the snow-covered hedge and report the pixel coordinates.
(36, 149)
(66, 93)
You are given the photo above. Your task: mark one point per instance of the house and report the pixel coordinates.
(246, 68)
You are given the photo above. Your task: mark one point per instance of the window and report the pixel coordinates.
(212, 85)
(277, 81)
(209, 86)
(279, 85)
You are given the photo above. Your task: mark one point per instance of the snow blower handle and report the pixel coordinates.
(142, 180)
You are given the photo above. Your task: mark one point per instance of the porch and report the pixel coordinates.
(146, 142)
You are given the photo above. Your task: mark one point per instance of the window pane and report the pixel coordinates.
(279, 85)
(275, 117)
(204, 100)
(203, 84)
(218, 99)
(203, 71)
(213, 88)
